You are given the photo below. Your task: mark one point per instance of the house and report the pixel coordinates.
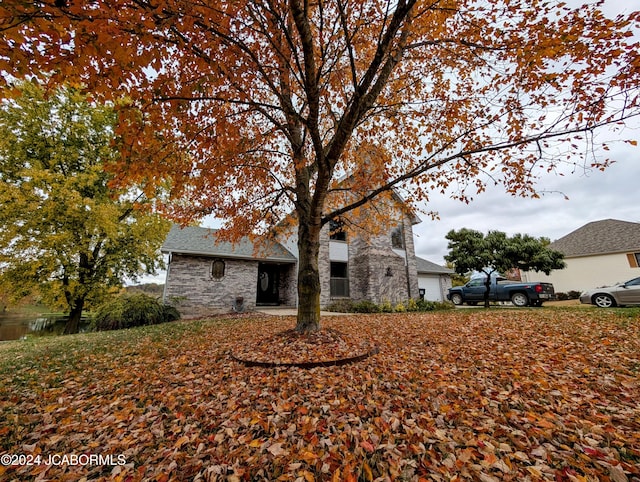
(599, 253)
(433, 280)
(204, 275)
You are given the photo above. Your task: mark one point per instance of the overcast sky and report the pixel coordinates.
(614, 194)
(592, 196)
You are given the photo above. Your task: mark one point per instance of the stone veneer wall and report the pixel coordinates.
(288, 289)
(412, 264)
(324, 266)
(189, 278)
(191, 287)
(370, 260)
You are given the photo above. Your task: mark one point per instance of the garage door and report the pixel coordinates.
(431, 287)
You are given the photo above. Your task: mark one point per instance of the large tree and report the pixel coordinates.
(496, 253)
(63, 231)
(271, 102)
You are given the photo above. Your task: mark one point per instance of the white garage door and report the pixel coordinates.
(431, 285)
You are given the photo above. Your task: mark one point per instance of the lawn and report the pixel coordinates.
(503, 394)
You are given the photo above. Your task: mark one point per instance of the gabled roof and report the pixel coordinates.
(600, 237)
(202, 242)
(425, 266)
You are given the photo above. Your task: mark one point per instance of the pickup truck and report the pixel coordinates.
(501, 289)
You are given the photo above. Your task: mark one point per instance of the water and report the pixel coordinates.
(15, 325)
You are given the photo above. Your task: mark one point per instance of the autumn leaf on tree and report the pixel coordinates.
(257, 112)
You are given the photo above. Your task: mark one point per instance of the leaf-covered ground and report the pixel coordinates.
(537, 394)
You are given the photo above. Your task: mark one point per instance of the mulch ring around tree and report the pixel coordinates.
(327, 347)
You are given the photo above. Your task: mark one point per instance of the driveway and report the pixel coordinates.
(287, 311)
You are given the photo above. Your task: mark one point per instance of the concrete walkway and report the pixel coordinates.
(288, 311)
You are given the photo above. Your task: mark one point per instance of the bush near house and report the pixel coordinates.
(133, 310)
(364, 306)
(570, 295)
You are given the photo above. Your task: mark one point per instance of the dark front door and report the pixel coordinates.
(268, 279)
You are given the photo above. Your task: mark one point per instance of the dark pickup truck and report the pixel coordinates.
(501, 289)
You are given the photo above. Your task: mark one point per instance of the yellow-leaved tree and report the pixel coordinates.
(65, 234)
(270, 102)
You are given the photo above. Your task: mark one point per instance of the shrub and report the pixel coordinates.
(412, 305)
(424, 305)
(386, 307)
(341, 306)
(133, 310)
(574, 295)
(366, 306)
(560, 296)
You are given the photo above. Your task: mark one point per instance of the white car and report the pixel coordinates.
(618, 295)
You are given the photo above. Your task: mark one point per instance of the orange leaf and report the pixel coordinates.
(368, 446)
(180, 442)
(368, 474)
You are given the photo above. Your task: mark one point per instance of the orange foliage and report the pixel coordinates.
(246, 107)
(251, 110)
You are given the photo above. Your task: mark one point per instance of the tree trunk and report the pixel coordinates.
(73, 323)
(308, 277)
(487, 289)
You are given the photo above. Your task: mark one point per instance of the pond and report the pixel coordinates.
(15, 325)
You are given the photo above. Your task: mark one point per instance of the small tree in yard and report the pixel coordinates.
(495, 252)
(268, 104)
(63, 231)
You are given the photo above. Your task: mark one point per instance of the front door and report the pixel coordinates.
(268, 280)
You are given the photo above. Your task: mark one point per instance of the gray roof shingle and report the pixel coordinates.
(425, 266)
(202, 242)
(600, 237)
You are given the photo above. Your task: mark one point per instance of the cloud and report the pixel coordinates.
(591, 196)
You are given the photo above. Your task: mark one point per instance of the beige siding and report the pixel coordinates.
(589, 272)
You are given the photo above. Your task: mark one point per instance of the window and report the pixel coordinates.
(217, 269)
(336, 230)
(634, 259)
(397, 238)
(339, 282)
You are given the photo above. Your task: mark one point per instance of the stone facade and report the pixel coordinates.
(191, 287)
(380, 273)
(371, 266)
(287, 287)
(376, 271)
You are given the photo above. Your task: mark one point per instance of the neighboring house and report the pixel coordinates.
(433, 280)
(204, 275)
(597, 254)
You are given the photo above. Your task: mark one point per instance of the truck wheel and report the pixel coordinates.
(456, 299)
(519, 299)
(603, 300)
